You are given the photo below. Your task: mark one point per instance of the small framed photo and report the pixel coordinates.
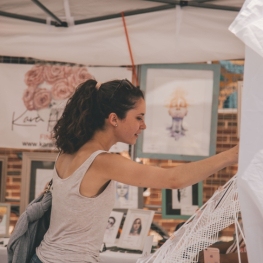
(37, 171)
(4, 219)
(181, 203)
(3, 172)
(135, 229)
(113, 225)
(127, 197)
(181, 111)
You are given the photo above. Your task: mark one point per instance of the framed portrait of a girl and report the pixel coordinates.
(127, 197)
(135, 229)
(112, 227)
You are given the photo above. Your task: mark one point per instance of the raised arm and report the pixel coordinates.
(118, 168)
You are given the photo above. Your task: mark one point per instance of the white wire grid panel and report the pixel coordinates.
(202, 229)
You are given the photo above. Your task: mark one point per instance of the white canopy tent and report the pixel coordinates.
(159, 31)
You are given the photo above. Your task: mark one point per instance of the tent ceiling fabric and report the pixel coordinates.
(176, 34)
(85, 9)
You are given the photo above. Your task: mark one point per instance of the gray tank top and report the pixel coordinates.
(77, 222)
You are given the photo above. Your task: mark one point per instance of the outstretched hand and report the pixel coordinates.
(232, 154)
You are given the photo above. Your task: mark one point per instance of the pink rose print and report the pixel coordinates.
(42, 99)
(79, 76)
(60, 90)
(34, 76)
(48, 83)
(53, 72)
(28, 98)
(83, 75)
(68, 70)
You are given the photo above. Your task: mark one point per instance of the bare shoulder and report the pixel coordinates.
(112, 159)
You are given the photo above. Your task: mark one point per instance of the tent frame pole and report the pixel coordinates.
(168, 4)
(197, 3)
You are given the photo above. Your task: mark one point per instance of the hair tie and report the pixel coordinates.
(98, 85)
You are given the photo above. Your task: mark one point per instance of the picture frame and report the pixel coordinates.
(135, 229)
(113, 225)
(173, 132)
(127, 197)
(37, 168)
(3, 173)
(231, 72)
(183, 207)
(4, 219)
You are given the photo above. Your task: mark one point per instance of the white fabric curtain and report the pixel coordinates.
(248, 27)
(250, 170)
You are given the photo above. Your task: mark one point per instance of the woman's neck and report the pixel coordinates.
(100, 141)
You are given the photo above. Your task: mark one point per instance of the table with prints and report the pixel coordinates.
(113, 254)
(105, 257)
(118, 257)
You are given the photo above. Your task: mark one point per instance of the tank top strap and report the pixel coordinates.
(90, 160)
(57, 156)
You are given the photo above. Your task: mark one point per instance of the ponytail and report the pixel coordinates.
(77, 125)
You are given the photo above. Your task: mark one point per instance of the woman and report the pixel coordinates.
(136, 227)
(96, 117)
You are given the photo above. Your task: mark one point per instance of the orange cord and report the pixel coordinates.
(134, 74)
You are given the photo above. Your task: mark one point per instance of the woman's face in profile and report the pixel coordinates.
(122, 189)
(137, 224)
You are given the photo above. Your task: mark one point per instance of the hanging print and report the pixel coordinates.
(33, 98)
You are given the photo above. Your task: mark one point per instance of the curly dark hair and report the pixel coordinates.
(88, 108)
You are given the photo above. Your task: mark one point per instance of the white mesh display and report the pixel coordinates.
(201, 230)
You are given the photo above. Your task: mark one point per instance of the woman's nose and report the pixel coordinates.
(143, 126)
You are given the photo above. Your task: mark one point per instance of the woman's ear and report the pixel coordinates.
(113, 119)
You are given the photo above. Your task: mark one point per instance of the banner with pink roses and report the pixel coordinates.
(33, 98)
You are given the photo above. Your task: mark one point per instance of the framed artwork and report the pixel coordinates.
(4, 219)
(231, 72)
(37, 168)
(3, 172)
(114, 222)
(182, 203)
(24, 121)
(135, 229)
(239, 105)
(181, 111)
(127, 197)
